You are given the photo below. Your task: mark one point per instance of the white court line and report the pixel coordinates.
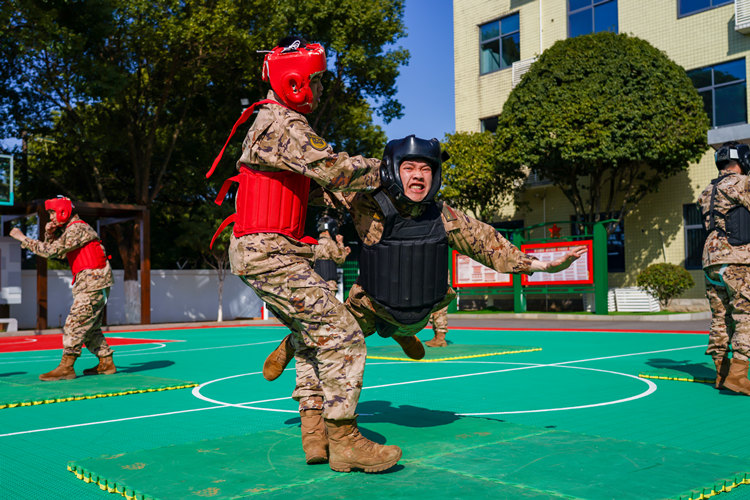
(244, 405)
(56, 356)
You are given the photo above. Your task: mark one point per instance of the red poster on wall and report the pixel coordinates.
(467, 273)
(581, 272)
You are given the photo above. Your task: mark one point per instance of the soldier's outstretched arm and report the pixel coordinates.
(485, 244)
(560, 264)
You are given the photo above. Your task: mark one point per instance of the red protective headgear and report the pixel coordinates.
(62, 206)
(290, 69)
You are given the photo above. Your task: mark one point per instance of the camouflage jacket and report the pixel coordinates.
(466, 235)
(733, 190)
(329, 249)
(56, 245)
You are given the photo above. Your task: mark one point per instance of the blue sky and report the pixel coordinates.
(425, 86)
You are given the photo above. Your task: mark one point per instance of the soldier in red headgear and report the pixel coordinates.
(281, 154)
(67, 236)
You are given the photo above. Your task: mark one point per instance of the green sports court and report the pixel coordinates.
(511, 409)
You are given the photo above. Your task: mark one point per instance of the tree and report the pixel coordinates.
(665, 281)
(606, 118)
(473, 179)
(134, 98)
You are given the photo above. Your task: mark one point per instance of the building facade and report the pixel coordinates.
(495, 42)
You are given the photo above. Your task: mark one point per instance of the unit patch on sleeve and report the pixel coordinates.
(316, 142)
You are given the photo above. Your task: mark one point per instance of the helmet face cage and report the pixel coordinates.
(410, 148)
(62, 207)
(733, 151)
(290, 69)
(327, 223)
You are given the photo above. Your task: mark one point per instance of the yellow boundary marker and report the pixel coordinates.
(94, 396)
(725, 488)
(679, 379)
(390, 358)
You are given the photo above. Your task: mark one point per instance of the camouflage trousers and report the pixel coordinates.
(730, 310)
(329, 345)
(439, 320)
(84, 324)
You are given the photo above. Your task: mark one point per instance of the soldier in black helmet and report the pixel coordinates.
(330, 251)
(403, 266)
(726, 264)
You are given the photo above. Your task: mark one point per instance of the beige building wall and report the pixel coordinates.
(655, 229)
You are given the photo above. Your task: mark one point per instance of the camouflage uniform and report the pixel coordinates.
(727, 270)
(90, 289)
(278, 268)
(439, 321)
(330, 249)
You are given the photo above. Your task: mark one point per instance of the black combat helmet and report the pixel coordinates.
(327, 223)
(411, 148)
(733, 151)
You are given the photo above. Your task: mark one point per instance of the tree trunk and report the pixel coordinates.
(128, 245)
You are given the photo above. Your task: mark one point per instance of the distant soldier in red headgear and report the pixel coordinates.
(281, 154)
(67, 236)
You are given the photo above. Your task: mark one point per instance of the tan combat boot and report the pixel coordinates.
(737, 379)
(722, 369)
(438, 340)
(348, 449)
(105, 367)
(64, 370)
(314, 437)
(278, 359)
(411, 345)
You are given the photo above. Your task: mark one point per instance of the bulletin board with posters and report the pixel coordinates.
(469, 273)
(581, 272)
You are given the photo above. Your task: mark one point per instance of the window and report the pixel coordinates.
(687, 7)
(499, 44)
(723, 88)
(695, 236)
(591, 16)
(615, 241)
(489, 124)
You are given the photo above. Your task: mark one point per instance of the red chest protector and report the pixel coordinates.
(89, 256)
(266, 202)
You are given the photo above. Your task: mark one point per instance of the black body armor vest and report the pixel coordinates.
(736, 220)
(407, 271)
(326, 269)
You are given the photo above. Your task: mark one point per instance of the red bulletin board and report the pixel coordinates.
(467, 272)
(581, 272)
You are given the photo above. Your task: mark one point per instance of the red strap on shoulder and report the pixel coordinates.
(242, 119)
(223, 226)
(309, 240)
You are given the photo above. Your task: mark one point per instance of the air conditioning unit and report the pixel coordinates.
(742, 16)
(521, 67)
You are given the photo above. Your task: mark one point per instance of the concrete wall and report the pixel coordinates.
(176, 296)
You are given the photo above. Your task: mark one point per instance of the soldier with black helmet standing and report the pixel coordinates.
(726, 264)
